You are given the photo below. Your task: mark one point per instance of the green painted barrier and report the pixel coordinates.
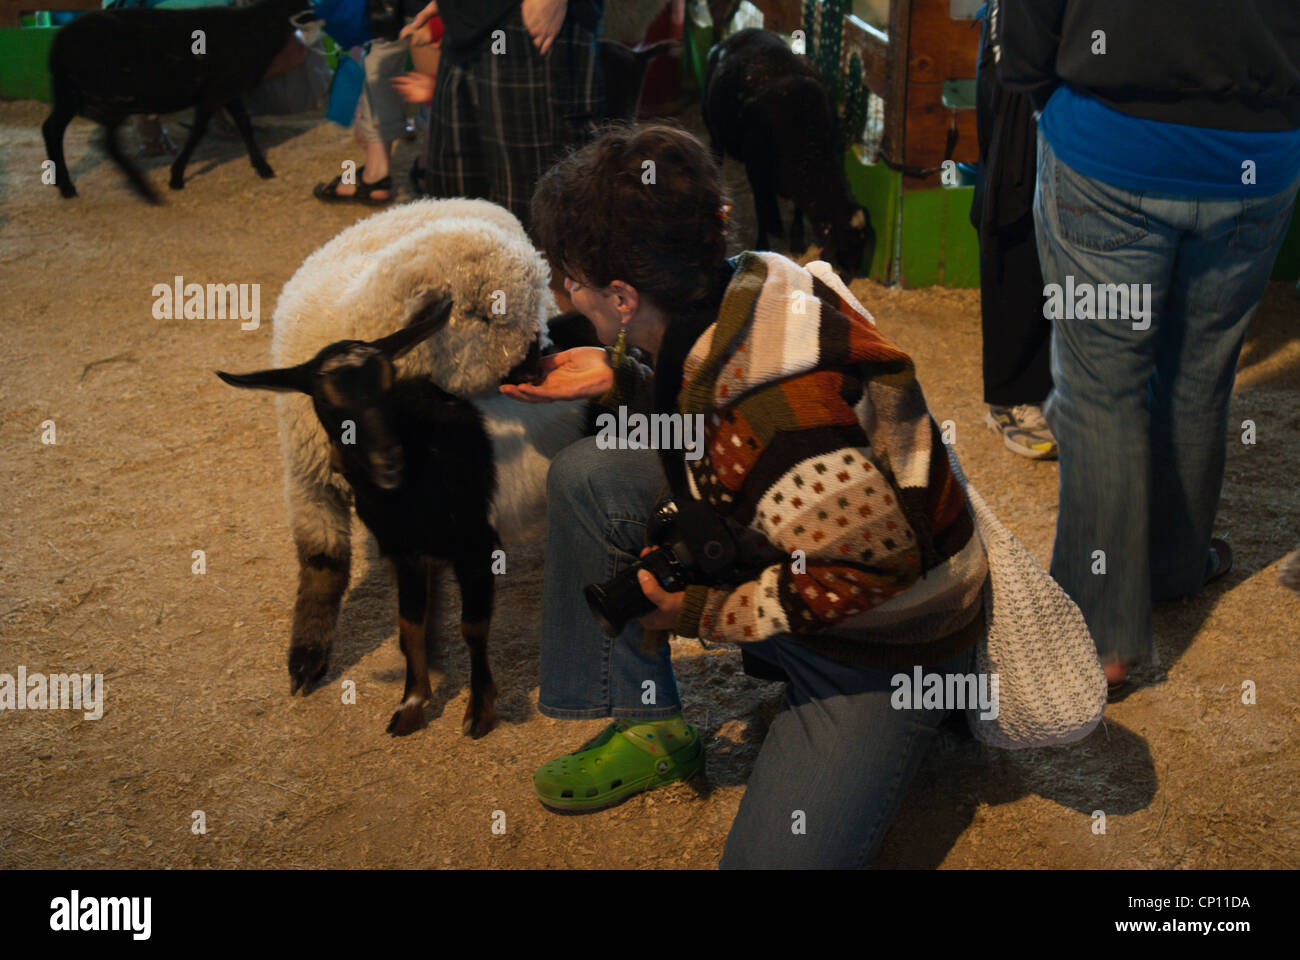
(24, 62)
(939, 244)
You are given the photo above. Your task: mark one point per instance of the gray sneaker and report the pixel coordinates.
(1023, 429)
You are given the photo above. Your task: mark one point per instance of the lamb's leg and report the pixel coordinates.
(245, 128)
(474, 574)
(412, 583)
(321, 518)
(202, 114)
(797, 245)
(114, 146)
(761, 183)
(52, 129)
(433, 603)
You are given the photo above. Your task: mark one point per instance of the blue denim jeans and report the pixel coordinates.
(837, 759)
(1141, 415)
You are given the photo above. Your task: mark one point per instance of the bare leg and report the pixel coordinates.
(377, 167)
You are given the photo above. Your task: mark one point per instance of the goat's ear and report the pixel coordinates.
(429, 321)
(285, 379)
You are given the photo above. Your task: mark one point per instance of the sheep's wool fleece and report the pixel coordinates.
(369, 281)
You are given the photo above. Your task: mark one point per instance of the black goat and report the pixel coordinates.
(109, 64)
(420, 465)
(768, 107)
(624, 70)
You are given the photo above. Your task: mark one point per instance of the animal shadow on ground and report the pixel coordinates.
(368, 621)
(212, 151)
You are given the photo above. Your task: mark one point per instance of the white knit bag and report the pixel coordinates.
(1051, 688)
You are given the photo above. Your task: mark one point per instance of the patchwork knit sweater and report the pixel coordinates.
(818, 438)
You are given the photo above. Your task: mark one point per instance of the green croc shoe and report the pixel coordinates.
(625, 759)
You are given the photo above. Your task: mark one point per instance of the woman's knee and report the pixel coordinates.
(568, 475)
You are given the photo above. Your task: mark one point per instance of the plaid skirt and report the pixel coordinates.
(503, 116)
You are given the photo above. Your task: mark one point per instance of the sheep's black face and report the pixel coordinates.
(353, 381)
(848, 243)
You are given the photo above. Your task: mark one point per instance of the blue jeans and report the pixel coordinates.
(1141, 415)
(838, 752)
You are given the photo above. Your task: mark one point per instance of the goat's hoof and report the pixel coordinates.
(306, 666)
(68, 192)
(176, 183)
(406, 720)
(265, 172)
(479, 723)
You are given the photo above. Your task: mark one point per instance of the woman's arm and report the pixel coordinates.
(850, 548)
(420, 20)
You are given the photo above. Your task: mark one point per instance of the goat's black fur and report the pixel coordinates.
(624, 71)
(421, 468)
(109, 64)
(768, 107)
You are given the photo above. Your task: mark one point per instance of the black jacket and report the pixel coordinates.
(1228, 64)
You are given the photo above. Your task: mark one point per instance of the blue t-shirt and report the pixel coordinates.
(1150, 155)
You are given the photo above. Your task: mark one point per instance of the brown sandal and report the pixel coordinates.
(329, 192)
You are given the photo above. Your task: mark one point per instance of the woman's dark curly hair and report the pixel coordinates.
(639, 204)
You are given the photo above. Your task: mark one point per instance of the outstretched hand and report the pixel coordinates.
(582, 373)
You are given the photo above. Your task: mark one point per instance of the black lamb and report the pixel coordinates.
(109, 64)
(421, 468)
(768, 107)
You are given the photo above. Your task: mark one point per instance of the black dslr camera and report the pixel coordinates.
(693, 545)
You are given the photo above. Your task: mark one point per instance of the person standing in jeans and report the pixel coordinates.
(1169, 158)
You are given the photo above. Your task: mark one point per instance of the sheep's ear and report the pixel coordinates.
(429, 321)
(286, 379)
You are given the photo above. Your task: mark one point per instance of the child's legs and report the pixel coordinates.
(381, 112)
(597, 504)
(839, 754)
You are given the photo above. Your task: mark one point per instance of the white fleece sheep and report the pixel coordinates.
(367, 282)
